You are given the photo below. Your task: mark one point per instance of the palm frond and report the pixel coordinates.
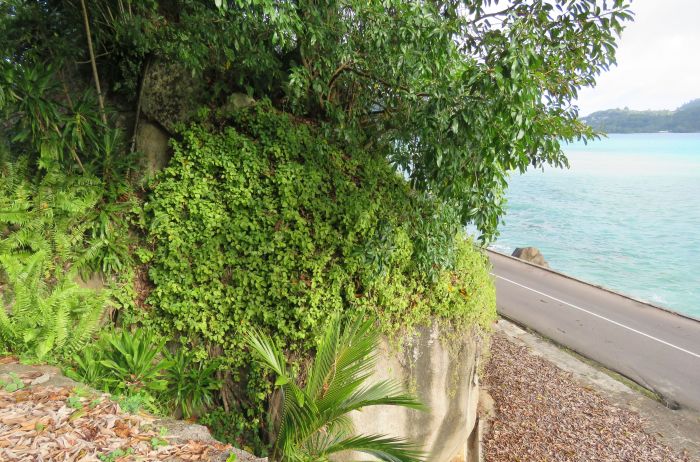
(314, 421)
(324, 365)
(268, 354)
(382, 447)
(385, 393)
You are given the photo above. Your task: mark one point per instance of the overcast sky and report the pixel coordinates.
(658, 60)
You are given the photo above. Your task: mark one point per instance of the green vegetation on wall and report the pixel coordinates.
(265, 224)
(383, 129)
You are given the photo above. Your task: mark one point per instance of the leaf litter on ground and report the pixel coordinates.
(49, 423)
(544, 414)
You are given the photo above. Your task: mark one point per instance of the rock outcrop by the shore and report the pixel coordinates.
(532, 255)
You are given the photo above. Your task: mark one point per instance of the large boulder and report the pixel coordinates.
(153, 142)
(171, 94)
(532, 255)
(442, 368)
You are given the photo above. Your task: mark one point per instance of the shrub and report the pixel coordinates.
(133, 362)
(266, 224)
(190, 386)
(37, 318)
(123, 362)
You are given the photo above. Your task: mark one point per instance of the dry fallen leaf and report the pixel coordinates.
(543, 414)
(37, 424)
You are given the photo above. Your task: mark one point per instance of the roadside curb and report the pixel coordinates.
(590, 284)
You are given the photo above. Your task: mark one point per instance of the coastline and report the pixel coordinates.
(597, 286)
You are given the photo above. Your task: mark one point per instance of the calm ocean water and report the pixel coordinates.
(626, 215)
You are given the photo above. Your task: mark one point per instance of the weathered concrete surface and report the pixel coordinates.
(442, 371)
(679, 429)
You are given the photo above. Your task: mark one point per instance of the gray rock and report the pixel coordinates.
(239, 101)
(180, 431)
(47, 376)
(241, 456)
(152, 141)
(532, 255)
(171, 94)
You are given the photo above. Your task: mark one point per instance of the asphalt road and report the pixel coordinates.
(657, 349)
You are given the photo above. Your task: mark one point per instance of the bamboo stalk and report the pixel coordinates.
(93, 63)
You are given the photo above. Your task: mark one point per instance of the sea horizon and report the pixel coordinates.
(625, 216)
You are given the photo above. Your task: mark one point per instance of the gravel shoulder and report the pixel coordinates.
(549, 405)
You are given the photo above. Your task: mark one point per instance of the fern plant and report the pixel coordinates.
(37, 317)
(65, 215)
(314, 422)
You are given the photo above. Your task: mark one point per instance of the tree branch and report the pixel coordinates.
(496, 13)
(384, 82)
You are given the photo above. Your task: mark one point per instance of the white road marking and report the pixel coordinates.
(601, 317)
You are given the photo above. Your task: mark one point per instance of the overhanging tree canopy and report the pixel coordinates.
(454, 93)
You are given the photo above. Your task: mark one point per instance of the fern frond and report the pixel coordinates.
(60, 313)
(7, 330)
(89, 320)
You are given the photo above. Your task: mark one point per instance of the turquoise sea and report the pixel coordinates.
(626, 215)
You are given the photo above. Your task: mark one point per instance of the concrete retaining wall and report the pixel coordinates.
(444, 375)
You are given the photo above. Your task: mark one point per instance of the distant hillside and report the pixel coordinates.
(685, 119)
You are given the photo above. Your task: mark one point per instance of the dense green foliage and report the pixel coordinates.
(382, 129)
(314, 421)
(137, 366)
(268, 225)
(69, 216)
(38, 318)
(454, 93)
(685, 119)
(45, 241)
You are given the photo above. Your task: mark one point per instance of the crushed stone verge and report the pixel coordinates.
(544, 412)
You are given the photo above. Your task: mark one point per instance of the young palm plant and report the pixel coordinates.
(314, 420)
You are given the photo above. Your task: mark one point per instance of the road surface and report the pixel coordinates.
(657, 349)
